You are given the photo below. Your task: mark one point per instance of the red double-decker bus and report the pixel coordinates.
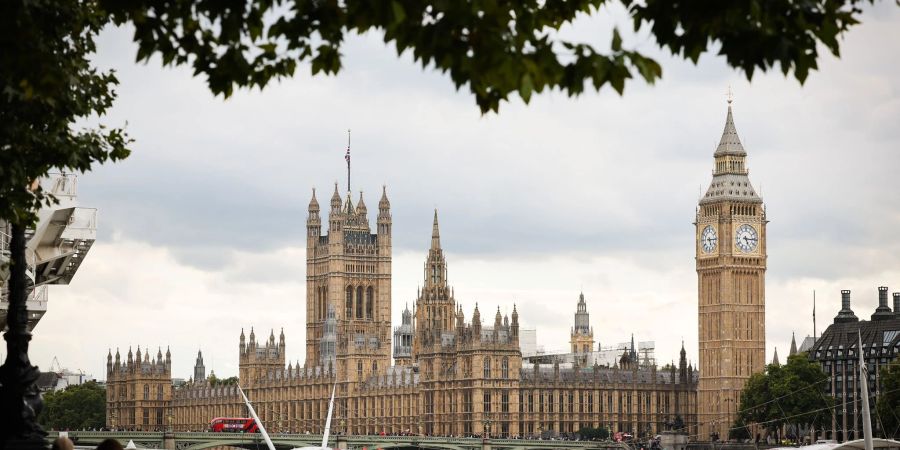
(233, 425)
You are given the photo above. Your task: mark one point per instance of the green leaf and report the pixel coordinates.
(399, 12)
(525, 87)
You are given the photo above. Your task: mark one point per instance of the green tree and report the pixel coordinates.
(495, 48)
(887, 408)
(76, 407)
(230, 381)
(50, 93)
(788, 394)
(739, 430)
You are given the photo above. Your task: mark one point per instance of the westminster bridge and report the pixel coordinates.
(254, 441)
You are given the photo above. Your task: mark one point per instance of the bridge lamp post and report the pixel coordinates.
(487, 428)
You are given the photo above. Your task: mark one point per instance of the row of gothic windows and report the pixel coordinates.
(504, 367)
(362, 304)
(159, 392)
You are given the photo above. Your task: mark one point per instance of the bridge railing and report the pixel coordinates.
(287, 439)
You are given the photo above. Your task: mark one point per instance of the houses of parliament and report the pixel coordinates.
(446, 371)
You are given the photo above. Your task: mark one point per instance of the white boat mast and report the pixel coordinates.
(259, 423)
(328, 419)
(864, 387)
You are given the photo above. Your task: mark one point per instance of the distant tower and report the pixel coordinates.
(403, 340)
(199, 368)
(328, 345)
(793, 350)
(348, 271)
(731, 268)
(435, 310)
(582, 338)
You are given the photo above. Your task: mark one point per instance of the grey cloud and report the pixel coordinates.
(597, 174)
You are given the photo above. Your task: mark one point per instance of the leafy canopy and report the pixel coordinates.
(495, 48)
(788, 394)
(48, 86)
(76, 407)
(887, 408)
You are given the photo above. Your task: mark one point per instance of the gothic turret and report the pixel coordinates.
(384, 219)
(403, 339)
(775, 361)
(334, 215)
(793, 350)
(199, 368)
(476, 323)
(514, 328)
(361, 209)
(582, 336)
(109, 363)
(682, 365)
(242, 344)
(313, 221)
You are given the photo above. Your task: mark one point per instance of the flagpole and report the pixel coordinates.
(814, 317)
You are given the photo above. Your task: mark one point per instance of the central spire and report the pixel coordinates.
(730, 174)
(730, 143)
(435, 233)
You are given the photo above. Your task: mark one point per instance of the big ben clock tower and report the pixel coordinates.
(731, 283)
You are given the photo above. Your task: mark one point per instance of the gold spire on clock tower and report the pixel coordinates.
(731, 266)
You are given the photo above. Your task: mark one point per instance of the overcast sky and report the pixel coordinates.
(202, 228)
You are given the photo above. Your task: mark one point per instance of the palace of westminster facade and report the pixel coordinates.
(442, 374)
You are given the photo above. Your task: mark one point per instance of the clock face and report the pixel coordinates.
(708, 239)
(746, 238)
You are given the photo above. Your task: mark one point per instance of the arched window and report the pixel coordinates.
(370, 302)
(159, 392)
(487, 367)
(375, 367)
(349, 314)
(146, 392)
(359, 302)
(359, 368)
(504, 367)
